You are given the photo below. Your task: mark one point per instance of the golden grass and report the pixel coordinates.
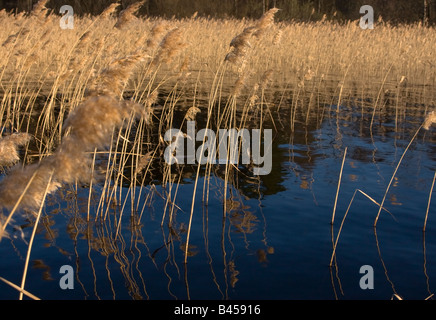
(102, 80)
(86, 71)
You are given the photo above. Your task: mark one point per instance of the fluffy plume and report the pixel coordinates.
(89, 126)
(9, 148)
(112, 79)
(39, 9)
(128, 14)
(265, 21)
(148, 110)
(10, 39)
(242, 39)
(34, 177)
(240, 45)
(170, 46)
(155, 35)
(192, 113)
(266, 78)
(143, 162)
(239, 84)
(429, 120)
(109, 10)
(277, 37)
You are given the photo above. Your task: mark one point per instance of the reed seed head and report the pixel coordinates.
(239, 46)
(127, 14)
(9, 147)
(171, 45)
(277, 37)
(192, 113)
(155, 34)
(111, 81)
(39, 9)
(265, 22)
(109, 10)
(37, 176)
(429, 120)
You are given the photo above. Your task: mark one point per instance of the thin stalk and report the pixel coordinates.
(339, 184)
(13, 285)
(26, 264)
(393, 176)
(340, 229)
(19, 201)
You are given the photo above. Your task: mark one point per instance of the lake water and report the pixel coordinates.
(275, 240)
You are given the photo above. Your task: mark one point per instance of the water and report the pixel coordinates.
(276, 244)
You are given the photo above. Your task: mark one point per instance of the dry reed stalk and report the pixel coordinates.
(148, 102)
(90, 184)
(13, 285)
(393, 175)
(396, 296)
(210, 109)
(32, 237)
(339, 184)
(343, 220)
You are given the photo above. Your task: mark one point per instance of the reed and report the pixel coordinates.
(428, 203)
(87, 127)
(32, 237)
(9, 147)
(127, 15)
(114, 83)
(13, 285)
(339, 184)
(428, 121)
(345, 216)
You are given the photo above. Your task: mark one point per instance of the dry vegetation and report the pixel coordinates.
(89, 96)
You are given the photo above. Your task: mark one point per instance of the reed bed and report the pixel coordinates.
(91, 105)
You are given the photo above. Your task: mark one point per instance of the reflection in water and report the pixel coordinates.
(262, 237)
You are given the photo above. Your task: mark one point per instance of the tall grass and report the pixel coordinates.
(93, 103)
